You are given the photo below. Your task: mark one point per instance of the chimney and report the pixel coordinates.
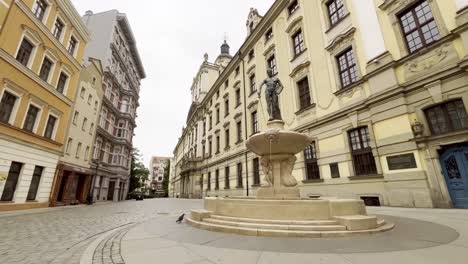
(89, 13)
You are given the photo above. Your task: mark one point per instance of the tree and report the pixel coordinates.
(138, 172)
(166, 178)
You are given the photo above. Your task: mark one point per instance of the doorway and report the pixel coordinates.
(110, 192)
(454, 162)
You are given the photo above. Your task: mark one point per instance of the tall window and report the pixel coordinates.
(211, 122)
(226, 107)
(238, 97)
(62, 82)
(310, 158)
(208, 184)
(348, 68)
(336, 11)
(58, 29)
(239, 175)
(45, 69)
(85, 122)
(39, 9)
(217, 180)
(363, 159)
(304, 93)
(227, 140)
(272, 64)
(50, 127)
(269, 34)
(24, 52)
(210, 148)
(256, 171)
(293, 6)
(6, 106)
(218, 143)
(253, 83)
(34, 186)
(255, 128)
(72, 45)
(298, 41)
(31, 118)
(447, 117)
(78, 151)
(419, 26)
(251, 53)
(75, 117)
(239, 131)
(69, 145)
(218, 119)
(227, 181)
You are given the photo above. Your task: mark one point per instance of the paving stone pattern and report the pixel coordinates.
(61, 235)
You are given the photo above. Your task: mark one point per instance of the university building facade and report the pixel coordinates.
(381, 86)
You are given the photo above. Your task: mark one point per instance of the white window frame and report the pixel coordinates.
(75, 52)
(46, 12)
(68, 73)
(19, 96)
(65, 26)
(34, 40)
(54, 59)
(54, 131)
(38, 117)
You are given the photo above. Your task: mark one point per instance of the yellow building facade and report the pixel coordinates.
(41, 48)
(380, 85)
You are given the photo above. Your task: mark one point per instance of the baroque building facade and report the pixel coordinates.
(42, 43)
(114, 45)
(381, 86)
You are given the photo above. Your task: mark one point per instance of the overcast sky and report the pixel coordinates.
(172, 37)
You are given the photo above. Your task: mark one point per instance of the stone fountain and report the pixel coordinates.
(278, 209)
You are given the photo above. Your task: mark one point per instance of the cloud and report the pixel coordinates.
(172, 37)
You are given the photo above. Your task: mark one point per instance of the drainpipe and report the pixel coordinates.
(245, 124)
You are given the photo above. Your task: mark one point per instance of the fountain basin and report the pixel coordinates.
(276, 141)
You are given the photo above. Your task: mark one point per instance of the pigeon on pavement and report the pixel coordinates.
(180, 219)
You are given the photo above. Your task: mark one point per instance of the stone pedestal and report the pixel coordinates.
(278, 194)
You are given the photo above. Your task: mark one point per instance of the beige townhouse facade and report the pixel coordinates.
(42, 43)
(380, 85)
(74, 173)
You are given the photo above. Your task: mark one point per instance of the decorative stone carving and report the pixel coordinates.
(341, 40)
(348, 93)
(428, 61)
(391, 5)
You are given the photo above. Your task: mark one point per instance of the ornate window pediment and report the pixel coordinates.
(341, 40)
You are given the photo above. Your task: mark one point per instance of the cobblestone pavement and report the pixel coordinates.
(61, 235)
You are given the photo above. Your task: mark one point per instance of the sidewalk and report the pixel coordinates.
(426, 236)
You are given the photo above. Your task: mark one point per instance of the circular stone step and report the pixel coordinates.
(276, 226)
(279, 222)
(284, 233)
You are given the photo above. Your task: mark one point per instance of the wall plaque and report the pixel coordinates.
(401, 162)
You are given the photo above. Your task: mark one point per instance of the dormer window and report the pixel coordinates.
(269, 34)
(39, 9)
(293, 7)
